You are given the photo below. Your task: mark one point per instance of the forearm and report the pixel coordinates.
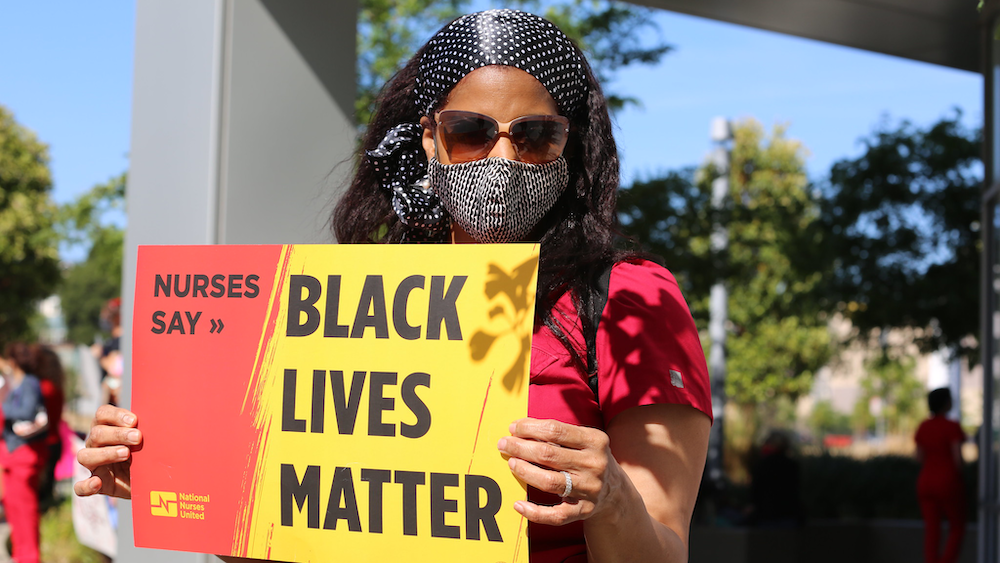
(630, 534)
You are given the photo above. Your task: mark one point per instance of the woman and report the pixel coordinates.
(497, 131)
(940, 489)
(24, 451)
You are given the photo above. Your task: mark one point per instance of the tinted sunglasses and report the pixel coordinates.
(468, 136)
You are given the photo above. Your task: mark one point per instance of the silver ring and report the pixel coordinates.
(569, 484)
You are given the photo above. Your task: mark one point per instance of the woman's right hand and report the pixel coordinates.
(108, 453)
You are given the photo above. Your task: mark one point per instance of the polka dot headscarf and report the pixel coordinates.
(502, 37)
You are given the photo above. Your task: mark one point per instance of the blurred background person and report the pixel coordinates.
(24, 450)
(774, 485)
(940, 489)
(52, 379)
(109, 352)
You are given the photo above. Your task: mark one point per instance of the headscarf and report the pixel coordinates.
(492, 37)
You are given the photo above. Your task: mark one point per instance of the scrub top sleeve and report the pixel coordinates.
(648, 349)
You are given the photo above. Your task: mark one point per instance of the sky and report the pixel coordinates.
(66, 74)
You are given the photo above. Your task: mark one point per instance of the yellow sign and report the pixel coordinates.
(377, 382)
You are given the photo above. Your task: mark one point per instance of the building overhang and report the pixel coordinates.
(941, 32)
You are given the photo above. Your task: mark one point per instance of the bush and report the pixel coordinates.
(839, 487)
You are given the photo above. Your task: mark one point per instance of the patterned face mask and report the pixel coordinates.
(496, 199)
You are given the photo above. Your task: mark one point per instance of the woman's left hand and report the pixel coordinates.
(541, 450)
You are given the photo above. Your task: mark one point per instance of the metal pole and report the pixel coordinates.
(721, 135)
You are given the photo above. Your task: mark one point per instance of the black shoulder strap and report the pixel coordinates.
(596, 310)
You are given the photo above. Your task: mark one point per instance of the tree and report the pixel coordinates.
(825, 419)
(891, 384)
(614, 35)
(29, 258)
(88, 285)
(905, 223)
(778, 336)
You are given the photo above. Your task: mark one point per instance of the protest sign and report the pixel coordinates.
(95, 518)
(331, 402)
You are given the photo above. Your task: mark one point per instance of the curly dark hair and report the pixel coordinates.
(577, 235)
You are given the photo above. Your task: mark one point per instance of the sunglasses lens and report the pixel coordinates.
(466, 136)
(539, 140)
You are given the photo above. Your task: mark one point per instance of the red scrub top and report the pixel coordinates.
(648, 352)
(939, 476)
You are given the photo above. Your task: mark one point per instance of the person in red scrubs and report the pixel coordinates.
(23, 450)
(940, 489)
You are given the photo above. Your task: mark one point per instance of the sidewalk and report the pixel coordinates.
(4, 534)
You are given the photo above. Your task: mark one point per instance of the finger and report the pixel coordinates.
(566, 435)
(541, 453)
(553, 481)
(88, 486)
(92, 458)
(558, 515)
(101, 436)
(109, 415)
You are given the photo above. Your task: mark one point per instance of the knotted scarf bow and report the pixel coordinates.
(403, 173)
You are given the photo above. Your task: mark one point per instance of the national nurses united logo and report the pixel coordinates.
(162, 503)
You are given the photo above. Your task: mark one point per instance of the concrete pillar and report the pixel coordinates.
(242, 111)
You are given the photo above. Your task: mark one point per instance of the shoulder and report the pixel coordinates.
(644, 297)
(32, 382)
(644, 290)
(641, 278)
(649, 350)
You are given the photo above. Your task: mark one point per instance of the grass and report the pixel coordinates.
(59, 543)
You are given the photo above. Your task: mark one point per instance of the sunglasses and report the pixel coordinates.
(468, 136)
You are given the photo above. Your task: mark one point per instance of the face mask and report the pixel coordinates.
(496, 199)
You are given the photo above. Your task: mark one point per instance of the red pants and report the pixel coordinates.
(21, 469)
(933, 506)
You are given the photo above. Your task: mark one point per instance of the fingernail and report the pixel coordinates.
(511, 463)
(519, 507)
(122, 453)
(128, 419)
(502, 443)
(512, 426)
(133, 436)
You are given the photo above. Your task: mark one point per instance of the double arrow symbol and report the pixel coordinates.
(216, 326)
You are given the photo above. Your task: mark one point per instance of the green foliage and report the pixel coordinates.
(824, 419)
(905, 223)
(58, 541)
(614, 35)
(891, 380)
(389, 32)
(778, 337)
(89, 284)
(29, 258)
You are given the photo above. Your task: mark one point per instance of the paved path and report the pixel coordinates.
(4, 534)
